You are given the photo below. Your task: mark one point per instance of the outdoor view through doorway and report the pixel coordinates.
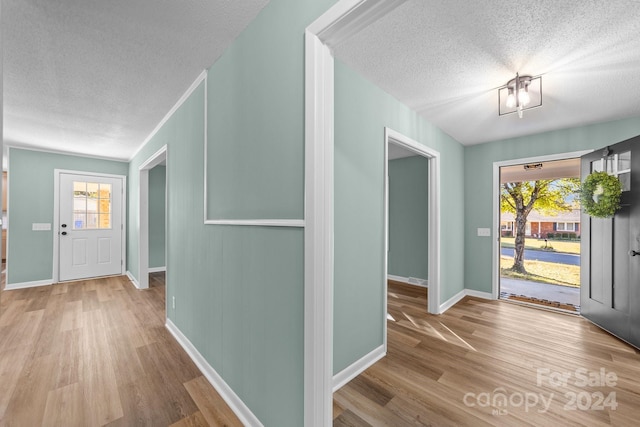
(540, 234)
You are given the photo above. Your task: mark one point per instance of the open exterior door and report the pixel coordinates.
(610, 268)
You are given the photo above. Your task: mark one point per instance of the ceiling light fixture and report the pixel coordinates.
(519, 94)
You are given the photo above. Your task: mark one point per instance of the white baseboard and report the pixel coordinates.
(23, 285)
(463, 293)
(478, 294)
(133, 280)
(236, 404)
(157, 269)
(409, 280)
(355, 369)
(452, 301)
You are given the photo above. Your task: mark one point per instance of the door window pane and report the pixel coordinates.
(624, 170)
(625, 179)
(624, 162)
(91, 205)
(618, 165)
(596, 166)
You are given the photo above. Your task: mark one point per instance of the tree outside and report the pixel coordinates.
(545, 196)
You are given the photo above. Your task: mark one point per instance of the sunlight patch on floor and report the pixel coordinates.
(440, 331)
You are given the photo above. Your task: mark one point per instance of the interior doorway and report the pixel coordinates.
(149, 217)
(157, 224)
(539, 233)
(412, 217)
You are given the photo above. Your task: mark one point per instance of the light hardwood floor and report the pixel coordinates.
(95, 353)
(483, 349)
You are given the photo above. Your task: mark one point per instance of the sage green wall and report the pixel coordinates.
(31, 198)
(157, 192)
(478, 189)
(256, 117)
(409, 217)
(239, 291)
(362, 110)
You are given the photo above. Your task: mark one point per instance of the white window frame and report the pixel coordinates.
(565, 224)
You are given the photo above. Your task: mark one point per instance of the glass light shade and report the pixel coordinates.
(511, 99)
(523, 97)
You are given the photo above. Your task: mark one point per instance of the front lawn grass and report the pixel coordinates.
(563, 246)
(544, 272)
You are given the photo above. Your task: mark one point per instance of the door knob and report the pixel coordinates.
(633, 253)
(64, 233)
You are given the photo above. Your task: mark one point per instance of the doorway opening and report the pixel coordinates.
(539, 234)
(412, 220)
(152, 248)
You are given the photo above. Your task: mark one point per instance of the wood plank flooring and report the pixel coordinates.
(452, 369)
(96, 353)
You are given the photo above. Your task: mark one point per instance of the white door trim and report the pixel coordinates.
(495, 270)
(433, 156)
(56, 217)
(341, 21)
(143, 215)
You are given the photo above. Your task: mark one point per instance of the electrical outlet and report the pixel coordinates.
(173, 302)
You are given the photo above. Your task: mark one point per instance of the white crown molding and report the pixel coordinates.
(347, 18)
(26, 147)
(173, 109)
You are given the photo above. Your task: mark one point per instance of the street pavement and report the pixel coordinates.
(546, 256)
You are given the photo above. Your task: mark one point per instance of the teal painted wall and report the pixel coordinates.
(362, 111)
(157, 193)
(31, 198)
(478, 189)
(239, 291)
(256, 117)
(409, 217)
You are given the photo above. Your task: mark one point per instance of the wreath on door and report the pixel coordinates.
(600, 194)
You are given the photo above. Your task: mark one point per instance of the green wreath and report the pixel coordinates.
(600, 194)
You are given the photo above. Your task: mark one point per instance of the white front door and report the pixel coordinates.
(90, 226)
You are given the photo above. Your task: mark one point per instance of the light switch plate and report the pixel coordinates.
(41, 226)
(484, 232)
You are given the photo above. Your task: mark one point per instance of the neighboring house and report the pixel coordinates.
(562, 225)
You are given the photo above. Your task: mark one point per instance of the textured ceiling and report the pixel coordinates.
(445, 59)
(95, 77)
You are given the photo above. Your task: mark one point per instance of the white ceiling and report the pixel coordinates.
(95, 77)
(567, 168)
(445, 59)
